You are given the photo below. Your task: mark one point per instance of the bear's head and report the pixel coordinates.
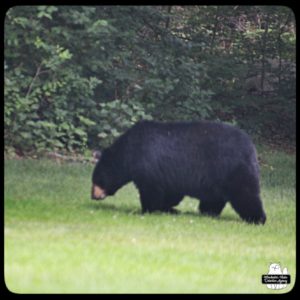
(103, 178)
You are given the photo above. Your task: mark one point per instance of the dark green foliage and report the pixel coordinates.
(78, 76)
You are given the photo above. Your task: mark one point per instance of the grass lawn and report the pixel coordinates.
(57, 240)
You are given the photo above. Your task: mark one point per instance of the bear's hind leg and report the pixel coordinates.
(170, 201)
(244, 196)
(249, 207)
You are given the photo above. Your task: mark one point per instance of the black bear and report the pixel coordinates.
(213, 162)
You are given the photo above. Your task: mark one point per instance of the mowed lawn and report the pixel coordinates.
(57, 240)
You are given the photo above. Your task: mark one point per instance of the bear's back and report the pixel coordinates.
(188, 149)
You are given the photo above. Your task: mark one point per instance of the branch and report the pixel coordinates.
(189, 109)
(168, 19)
(264, 44)
(37, 73)
(216, 22)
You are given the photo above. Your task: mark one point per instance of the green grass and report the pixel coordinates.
(59, 241)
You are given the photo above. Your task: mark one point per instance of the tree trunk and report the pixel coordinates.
(263, 59)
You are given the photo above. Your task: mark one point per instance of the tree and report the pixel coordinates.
(78, 76)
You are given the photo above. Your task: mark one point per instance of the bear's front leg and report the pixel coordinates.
(152, 199)
(211, 207)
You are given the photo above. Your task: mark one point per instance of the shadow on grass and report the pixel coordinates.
(111, 207)
(97, 206)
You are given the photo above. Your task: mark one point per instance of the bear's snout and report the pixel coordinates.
(98, 193)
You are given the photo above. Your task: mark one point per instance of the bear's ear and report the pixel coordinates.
(96, 155)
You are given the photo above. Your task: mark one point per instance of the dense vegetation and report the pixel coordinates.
(78, 76)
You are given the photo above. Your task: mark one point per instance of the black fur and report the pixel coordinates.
(213, 162)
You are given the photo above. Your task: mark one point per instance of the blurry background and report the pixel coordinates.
(76, 77)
